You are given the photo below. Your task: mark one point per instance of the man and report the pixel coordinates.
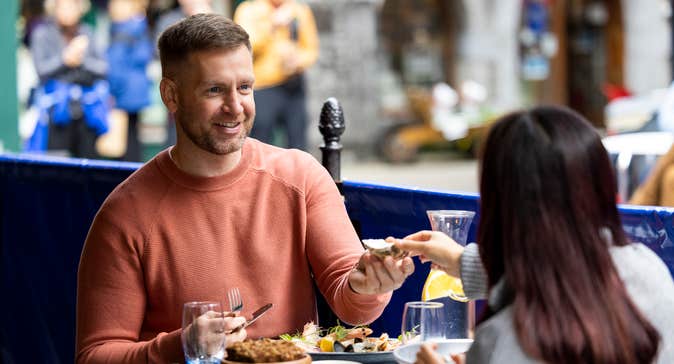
(285, 43)
(219, 210)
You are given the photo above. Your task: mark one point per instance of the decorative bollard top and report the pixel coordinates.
(331, 125)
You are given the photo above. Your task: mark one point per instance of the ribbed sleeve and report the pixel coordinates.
(473, 275)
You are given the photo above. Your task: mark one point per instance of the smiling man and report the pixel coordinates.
(219, 210)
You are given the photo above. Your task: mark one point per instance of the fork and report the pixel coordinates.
(235, 300)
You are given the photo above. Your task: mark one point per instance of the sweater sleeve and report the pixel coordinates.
(111, 297)
(473, 275)
(333, 249)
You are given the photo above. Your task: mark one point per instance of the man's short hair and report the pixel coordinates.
(198, 32)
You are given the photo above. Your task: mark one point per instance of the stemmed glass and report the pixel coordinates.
(203, 332)
(423, 321)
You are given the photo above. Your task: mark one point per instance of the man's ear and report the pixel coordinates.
(169, 94)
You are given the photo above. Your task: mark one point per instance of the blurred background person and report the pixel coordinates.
(72, 96)
(285, 43)
(129, 52)
(658, 188)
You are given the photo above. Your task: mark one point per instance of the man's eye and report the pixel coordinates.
(245, 87)
(214, 89)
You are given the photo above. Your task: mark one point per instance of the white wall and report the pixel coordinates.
(488, 50)
(647, 44)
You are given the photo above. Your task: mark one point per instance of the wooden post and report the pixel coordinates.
(331, 125)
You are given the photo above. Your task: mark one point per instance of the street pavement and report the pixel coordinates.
(445, 171)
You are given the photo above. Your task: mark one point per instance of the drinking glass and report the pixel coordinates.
(203, 332)
(456, 224)
(423, 321)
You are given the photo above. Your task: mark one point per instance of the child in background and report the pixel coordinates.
(129, 53)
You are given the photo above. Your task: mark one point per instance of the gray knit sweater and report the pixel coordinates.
(646, 278)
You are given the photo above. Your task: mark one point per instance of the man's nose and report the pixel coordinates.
(233, 104)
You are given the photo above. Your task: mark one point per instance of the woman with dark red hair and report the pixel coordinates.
(564, 283)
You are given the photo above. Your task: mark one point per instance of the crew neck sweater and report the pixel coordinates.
(164, 237)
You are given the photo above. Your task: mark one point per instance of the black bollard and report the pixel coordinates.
(331, 125)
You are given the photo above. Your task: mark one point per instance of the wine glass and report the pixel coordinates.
(423, 321)
(203, 332)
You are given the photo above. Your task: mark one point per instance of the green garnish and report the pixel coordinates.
(286, 337)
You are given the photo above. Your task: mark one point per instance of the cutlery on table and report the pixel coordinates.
(256, 315)
(235, 300)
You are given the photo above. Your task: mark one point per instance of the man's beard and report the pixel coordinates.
(212, 145)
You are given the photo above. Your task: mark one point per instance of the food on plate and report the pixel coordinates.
(382, 248)
(341, 339)
(264, 351)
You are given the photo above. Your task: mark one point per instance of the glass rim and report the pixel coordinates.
(459, 213)
(424, 304)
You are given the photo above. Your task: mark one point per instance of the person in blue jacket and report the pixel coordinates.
(72, 97)
(129, 52)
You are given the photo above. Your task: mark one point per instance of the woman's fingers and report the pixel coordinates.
(420, 235)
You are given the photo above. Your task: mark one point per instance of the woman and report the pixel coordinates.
(72, 96)
(565, 285)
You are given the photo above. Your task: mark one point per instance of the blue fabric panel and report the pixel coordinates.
(652, 226)
(379, 211)
(47, 205)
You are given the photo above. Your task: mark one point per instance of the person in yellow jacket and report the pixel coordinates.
(658, 188)
(285, 43)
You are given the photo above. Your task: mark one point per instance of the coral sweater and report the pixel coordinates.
(164, 237)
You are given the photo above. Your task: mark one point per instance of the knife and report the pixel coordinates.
(256, 315)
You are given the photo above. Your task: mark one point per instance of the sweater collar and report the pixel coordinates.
(198, 183)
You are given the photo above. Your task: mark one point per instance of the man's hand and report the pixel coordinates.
(377, 275)
(207, 331)
(232, 323)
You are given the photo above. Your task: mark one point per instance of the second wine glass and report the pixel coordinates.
(423, 321)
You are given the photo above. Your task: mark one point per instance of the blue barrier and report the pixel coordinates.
(47, 205)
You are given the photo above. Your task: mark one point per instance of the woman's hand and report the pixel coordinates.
(428, 355)
(433, 246)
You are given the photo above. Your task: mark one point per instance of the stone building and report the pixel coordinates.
(481, 40)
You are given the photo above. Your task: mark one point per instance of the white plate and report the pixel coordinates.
(335, 362)
(367, 358)
(407, 354)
